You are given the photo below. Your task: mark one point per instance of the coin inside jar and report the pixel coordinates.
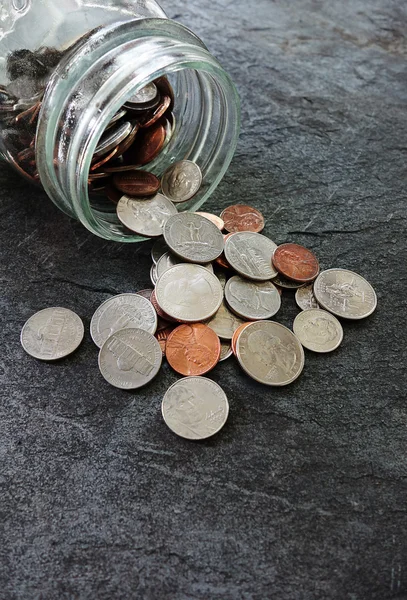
(193, 349)
(241, 217)
(252, 300)
(318, 330)
(296, 263)
(137, 183)
(181, 181)
(193, 238)
(250, 255)
(112, 138)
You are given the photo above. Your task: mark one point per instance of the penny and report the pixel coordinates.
(250, 255)
(165, 88)
(149, 146)
(162, 337)
(137, 183)
(318, 330)
(145, 293)
(296, 263)
(193, 349)
(195, 408)
(159, 248)
(145, 216)
(214, 218)
(130, 358)
(304, 297)
(236, 335)
(287, 284)
(122, 312)
(193, 238)
(104, 160)
(270, 353)
(181, 181)
(224, 323)
(168, 260)
(158, 112)
(252, 300)
(158, 309)
(225, 351)
(241, 217)
(52, 333)
(189, 293)
(112, 138)
(345, 294)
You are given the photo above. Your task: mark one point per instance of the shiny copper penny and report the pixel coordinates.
(214, 218)
(137, 183)
(193, 349)
(149, 144)
(236, 334)
(162, 337)
(241, 217)
(296, 263)
(159, 310)
(157, 113)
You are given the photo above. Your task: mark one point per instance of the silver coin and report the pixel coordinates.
(122, 312)
(181, 181)
(225, 350)
(193, 238)
(345, 294)
(168, 260)
(287, 284)
(153, 275)
(252, 300)
(189, 293)
(222, 277)
(195, 408)
(318, 330)
(130, 358)
(52, 333)
(148, 93)
(250, 255)
(159, 248)
(270, 353)
(119, 115)
(304, 297)
(112, 138)
(146, 216)
(224, 323)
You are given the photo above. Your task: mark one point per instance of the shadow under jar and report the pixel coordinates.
(81, 63)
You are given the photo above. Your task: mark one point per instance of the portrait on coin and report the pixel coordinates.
(319, 330)
(189, 411)
(279, 359)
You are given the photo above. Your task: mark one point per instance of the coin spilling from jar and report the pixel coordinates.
(213, 296)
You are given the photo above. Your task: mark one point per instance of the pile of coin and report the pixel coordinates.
(214, 295)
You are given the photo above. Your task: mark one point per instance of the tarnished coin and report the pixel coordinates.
(145, 293)
(318, 330)
(52, 333)
(287, 284)
(193, 349)
(224, 323)
(304, 297)
(161, 314)
(146, 94)
(159, 248)
(112, 138)
(251, 299)
(181, 181)
(130, 358)
(345, 294)
(195, 408)
(214, 218)
(241, 217)
(296, 262)
(270, 353)
(193, 238)
(189, 293)
(145, 216)
(122, 312)
(137, 183)
(250, 255)
(225, 351)
(168, 260)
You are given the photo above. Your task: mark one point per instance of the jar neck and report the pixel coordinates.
(94, 81)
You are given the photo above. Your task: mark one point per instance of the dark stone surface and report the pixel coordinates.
(303, 494)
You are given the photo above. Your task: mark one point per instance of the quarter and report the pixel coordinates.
(193, 238)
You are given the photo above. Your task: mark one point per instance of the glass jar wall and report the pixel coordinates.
(79, 64)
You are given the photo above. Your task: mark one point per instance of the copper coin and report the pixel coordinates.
(127, 143)
(149, 144)
(214, 218)
(145, 293)
(221, 260)
(112, 193)
(153, 117)
(121, 168)
(236, 334)
(165, 88)
(296, 263)
(159, 310)
(162, 337)
(104, 160)
(193, 349)
(241, 217)
(137, 183)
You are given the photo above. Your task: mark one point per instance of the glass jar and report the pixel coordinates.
(67, 68)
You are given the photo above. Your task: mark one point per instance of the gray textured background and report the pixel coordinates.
(303, 494)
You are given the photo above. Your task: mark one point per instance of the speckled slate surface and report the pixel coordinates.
(303, 494)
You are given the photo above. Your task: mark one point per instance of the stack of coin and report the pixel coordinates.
(198, 314)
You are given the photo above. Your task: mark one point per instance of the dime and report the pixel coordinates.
(193, 238)
(318, 330)
(345, 294)
(287, 284)
(149, 144)
(214, 218)
(270, 353)
(195, 408)
(296, 262)
(159, 248)
(168, 260)
(137, 183)
(181, 181)
(147, 216)
(145, 94)
(241, 217)
(130, 358)
(250, 255)
(304, 297)
(236, 335)
(189, 293)
(193, 349)
(52, 333)
(225, 351)
(252, 300)
(224, 323)
(122, 312)
(112, 138)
